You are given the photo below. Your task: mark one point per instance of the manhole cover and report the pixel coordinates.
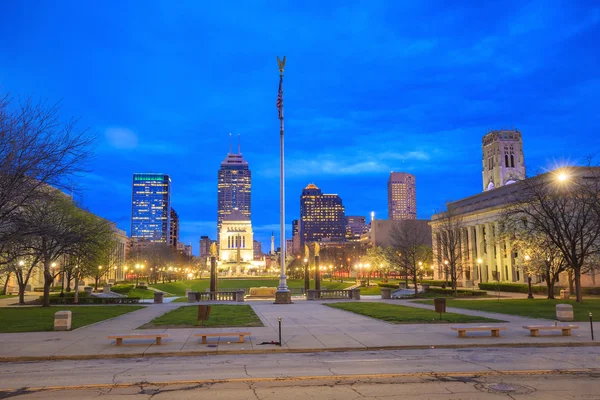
(503, 387)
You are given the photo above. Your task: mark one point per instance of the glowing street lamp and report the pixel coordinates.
(530, 294)
(479, 261)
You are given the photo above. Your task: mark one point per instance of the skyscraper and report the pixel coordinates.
(151, 207)
(503, 159)
(402, 197)
(174, 228)
(321, 216)
(234, 188)
(356, 226)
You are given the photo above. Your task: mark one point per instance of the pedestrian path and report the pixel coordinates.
(305, 326)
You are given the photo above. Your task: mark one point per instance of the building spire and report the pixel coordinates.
(230, 144)
(239, 152)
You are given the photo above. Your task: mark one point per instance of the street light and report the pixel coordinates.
(446, 271)
(479, 261)
(527, 258)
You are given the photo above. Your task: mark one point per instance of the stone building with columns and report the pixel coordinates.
(484, 256)
(236, 246)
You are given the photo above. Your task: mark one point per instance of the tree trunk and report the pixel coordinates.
(48, 278)
(550, 281)
(6, 283)
(21, 293)
(96, 285)
(69, 277)
(578, 285)
(415, 279)
(570, 275)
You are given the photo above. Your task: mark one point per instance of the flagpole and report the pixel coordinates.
(283, 295)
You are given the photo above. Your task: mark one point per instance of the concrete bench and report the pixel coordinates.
(158, 336)
(239, 334)
(462, 330)
(534, 330)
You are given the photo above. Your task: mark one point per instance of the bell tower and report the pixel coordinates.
(503, 160)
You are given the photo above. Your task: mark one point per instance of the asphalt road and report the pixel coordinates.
(545, 373)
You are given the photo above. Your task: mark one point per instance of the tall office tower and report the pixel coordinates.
(295, 227)
(356, 226)
(321, 216)
(174, 228)
(257, 245)
(402, 196)
(272, 251)
(151, 207)
(234, 188)
(503, 160)
(205, 243)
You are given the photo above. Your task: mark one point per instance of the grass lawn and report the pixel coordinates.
(536, 308)
(405, 315)
(371, 290)
(200, 285)
(36, 319)
(6, 296)
(132, 291)
(221, 316)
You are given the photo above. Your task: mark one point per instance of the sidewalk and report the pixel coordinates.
(306, 326)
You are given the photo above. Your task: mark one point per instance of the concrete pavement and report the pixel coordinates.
(306, 326)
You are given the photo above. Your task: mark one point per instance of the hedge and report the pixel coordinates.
(459, 292)
(517, 288)
(389, 285)
(96, 300)
(434, 283)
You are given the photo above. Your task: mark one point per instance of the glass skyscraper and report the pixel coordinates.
(234, 188)
(151, 207)
(321, 216)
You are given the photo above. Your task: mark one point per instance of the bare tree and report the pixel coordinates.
(36, 150)
(448, 236)
(563, 208)
(413, 244)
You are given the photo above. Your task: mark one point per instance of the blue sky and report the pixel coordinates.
(370, 87)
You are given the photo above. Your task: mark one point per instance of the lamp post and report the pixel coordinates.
(479, 261)
(306, 276)
(446, 271)
(421, 271)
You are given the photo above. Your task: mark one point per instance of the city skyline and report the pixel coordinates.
(164, 97)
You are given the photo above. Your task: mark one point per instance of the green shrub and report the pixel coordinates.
(590, 290)
(432, 282)
(459, 292)
(389, 285)
(517, 287)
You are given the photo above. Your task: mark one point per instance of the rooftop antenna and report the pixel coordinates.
(239, 144)
(230, 143)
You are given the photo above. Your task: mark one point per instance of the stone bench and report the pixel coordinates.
(262, 291)
(534, 330)
(462, 330)
(239, 334)
(157, 336)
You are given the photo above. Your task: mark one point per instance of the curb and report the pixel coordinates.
(281, 350)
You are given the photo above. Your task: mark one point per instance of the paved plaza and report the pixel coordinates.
(306, 326)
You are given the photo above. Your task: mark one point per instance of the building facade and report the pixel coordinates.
(234, 188)
(503, 160)
(174, 228)
(356, 226)
(379, 233)
(402, 196)
(205, 243)
(321, 216)
(236, 243)
(151, 207)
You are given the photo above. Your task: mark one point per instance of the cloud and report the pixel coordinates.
(121, 138)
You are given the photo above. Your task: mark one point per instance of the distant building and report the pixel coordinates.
(402, 197)
(185, 249)
(205, 243)
(151, 207)
(503, 159)
(295, 227)
(234, 188)
(237, 238)
(174, 229)
(355, 227)
(257, 250)
(379, 234)
(289, 247)
(321, 216)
